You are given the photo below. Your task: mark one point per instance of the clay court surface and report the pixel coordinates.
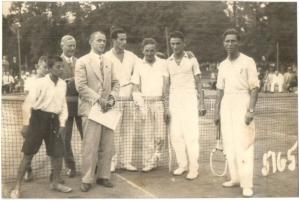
(161, 184)
(277, 131)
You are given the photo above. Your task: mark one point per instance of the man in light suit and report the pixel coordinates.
(96, 83)
(68, 46)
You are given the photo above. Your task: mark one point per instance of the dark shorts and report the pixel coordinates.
(43, 126)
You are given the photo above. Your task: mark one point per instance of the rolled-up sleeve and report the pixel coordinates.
(195, 67)
(253, 81)
(220, 78)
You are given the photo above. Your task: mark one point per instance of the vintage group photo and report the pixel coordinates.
(149, 99)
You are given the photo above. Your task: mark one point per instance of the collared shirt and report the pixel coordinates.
(49, 97)
(182, 75)
(238, 75)
(124, 70)
(69, 60)
(150, 77)
(68, 68)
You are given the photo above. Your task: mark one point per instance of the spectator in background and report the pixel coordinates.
(213, 79)
(5, 64)
(289, 78)
(277, 81)
(269, 79)
(7, 82)
(15, 67)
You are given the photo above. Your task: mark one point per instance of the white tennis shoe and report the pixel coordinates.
(247, 192)
(230, 184)
(179, 171)
(193, 174)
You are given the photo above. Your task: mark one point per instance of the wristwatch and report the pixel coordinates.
(251, 110)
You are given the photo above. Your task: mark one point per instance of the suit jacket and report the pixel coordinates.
(68, 75)
(94, 78)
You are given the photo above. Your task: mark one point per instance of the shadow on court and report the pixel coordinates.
(160, 184)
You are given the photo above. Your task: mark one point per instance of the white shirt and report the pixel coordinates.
(7, 79)
(69, 60)
(278, 78)
(238, 75)
(182, 75)
(48, 97)
(124, 70)
(29, 83)
(150, 77)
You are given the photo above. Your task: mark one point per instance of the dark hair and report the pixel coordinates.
(52, 60)
(176, 34)
(231, 31)
(115, 32)
(147, 41)
(43, 59)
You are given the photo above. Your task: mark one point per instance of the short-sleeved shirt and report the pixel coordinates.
(237, 75)
(124, 70)
(150, 77)
(182, 75)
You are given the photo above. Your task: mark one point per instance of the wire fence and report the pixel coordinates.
(276, 124)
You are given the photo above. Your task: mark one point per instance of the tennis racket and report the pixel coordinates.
(218, 162)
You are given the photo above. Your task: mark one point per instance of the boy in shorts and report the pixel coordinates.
(47, 122)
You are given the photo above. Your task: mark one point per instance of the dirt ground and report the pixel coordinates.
(160, 184)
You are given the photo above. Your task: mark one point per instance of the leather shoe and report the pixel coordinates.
(104, 182)
(85, 187)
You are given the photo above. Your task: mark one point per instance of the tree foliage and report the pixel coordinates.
(44, 23)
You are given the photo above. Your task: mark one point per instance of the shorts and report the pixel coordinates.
(43, 126)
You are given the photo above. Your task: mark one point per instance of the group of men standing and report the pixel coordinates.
(164, 91)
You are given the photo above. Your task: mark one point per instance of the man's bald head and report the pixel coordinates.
(68, 45)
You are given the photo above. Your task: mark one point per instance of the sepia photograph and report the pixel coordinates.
(149, 99)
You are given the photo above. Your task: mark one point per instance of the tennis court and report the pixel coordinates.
(277, 129)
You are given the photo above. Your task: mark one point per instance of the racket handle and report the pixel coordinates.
(218, 133)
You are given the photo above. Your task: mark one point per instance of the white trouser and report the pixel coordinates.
(279, 86)
(238, 138)
(184, 129)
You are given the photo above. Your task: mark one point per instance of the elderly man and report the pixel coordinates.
(124, 62)
(237, 92)
(186, 104)
(148, 80)
(96, 83)
(68, 46)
